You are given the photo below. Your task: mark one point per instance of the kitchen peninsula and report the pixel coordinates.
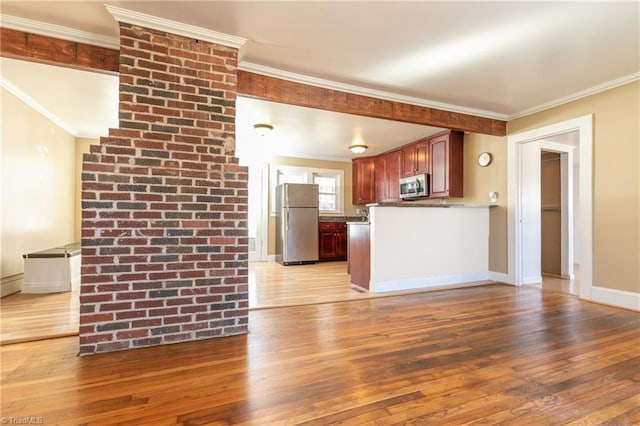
(415, 246)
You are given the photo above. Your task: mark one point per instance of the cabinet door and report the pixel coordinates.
(409, 161)
(380, 166)
(422, 157)
(327, 245)
(327, 240)
(447, 162)
(363, 180)
(439, 153)
(392, 175)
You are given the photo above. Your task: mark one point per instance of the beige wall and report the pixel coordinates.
(479, 181)
(616, 179)
(37, 210)
(82, 146)
(349, 208)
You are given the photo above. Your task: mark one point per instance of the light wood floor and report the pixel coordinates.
(27, 317)
(493, 354)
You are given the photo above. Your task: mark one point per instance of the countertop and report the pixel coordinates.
(430, 205)
(339, 218)
(65, 251)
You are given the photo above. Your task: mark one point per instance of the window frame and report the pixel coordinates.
(308, 174)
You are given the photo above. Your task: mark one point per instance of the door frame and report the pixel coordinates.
(584, 126)
(262, 235)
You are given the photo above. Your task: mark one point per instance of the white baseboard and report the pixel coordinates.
(613, 297)
(271, 258)
(11, 284)
(500, 277)
(428, 282)
(532, 280)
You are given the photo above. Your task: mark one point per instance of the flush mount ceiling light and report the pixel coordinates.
(262, 129)
(358, 148)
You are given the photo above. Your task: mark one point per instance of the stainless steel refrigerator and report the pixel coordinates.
(296, 223)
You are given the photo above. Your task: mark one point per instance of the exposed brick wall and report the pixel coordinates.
(164, 202)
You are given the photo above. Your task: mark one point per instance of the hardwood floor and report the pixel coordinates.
(493, 354)
(28, 317)
(561, 285)
(274, 285)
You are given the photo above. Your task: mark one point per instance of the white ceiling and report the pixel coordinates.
(495, 59)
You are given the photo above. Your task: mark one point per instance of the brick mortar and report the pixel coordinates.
(164, 202)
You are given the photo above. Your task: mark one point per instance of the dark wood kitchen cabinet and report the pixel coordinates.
(446, 158)
(415, 158)
(387, 172)
(359, 262)
(332, 241)
(363, 180)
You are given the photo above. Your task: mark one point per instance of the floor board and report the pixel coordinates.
(26, 317)
(492, 354)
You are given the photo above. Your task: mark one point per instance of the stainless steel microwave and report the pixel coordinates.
(414, 187)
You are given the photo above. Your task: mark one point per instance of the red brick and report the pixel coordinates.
(95, 298)
(146, 304)
(96, 318)
(164, 312)
(132, 334)
(121, 306)
(177, 319)
(95, 338)
(208, 316)
(131, 295)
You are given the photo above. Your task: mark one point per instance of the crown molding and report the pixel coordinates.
(578, 95)
(358, 90)
(174, 27)
(6, 84)
(58, 31)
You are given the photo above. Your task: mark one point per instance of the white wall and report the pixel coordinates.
(422, 247)
(37, 200)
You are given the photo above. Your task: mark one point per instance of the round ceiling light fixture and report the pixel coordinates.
(262, 129)
(358, 148)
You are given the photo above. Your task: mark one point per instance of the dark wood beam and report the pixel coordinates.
(38, 48)
(277, 90)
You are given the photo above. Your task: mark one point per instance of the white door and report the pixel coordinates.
(257, 208)
(530, 212)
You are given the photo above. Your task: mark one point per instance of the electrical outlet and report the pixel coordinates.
(493, 197)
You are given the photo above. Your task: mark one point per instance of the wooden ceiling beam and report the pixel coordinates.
(277, 90)
(38, 48)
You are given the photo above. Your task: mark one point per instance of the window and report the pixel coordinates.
(329, 181)
(326, 192)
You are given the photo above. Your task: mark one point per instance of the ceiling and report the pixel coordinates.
(494, 59)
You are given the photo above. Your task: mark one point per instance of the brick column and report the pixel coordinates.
(164, 202)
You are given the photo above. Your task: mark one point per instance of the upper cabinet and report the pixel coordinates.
(375, 179)
(363, 176)
(447, 162)
(387, 172)
(415, 158)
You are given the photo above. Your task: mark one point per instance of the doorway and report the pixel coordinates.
(524, 217)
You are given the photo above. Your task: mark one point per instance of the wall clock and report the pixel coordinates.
(484, 159)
